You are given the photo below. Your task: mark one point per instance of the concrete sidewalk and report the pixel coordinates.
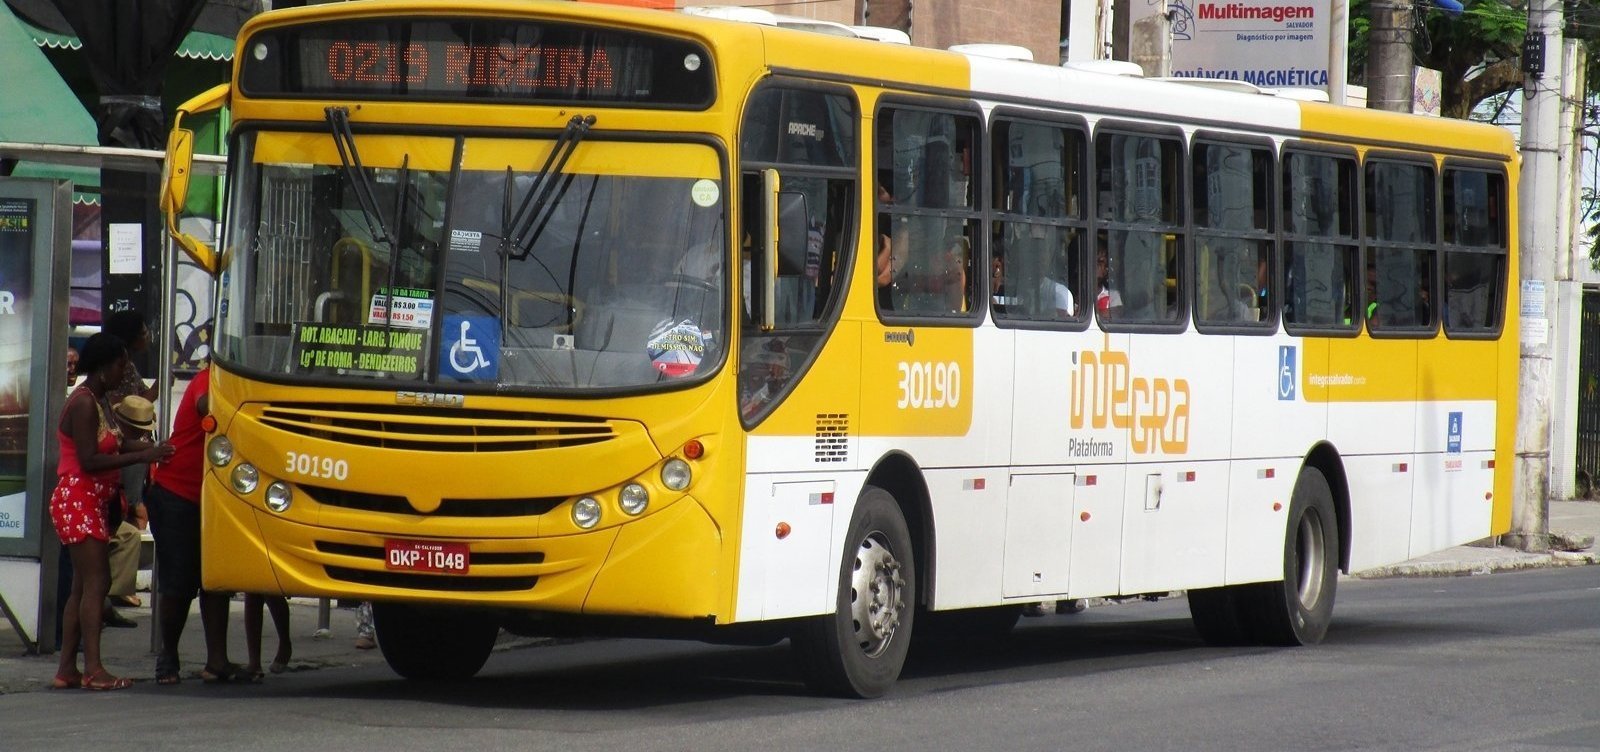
(127, 651)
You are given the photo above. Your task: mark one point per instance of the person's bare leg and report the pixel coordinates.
(89, 571)
(279, 607)
(71, 636)
(252, 632)
(214, 621)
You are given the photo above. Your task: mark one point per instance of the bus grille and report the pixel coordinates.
(368, 502)
(476, 583)
(436, 430)
(833, 430)
(410, 581)
(375, 553)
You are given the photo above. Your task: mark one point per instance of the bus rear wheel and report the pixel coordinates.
(432, 643)
(858, 650)
(1297, 609)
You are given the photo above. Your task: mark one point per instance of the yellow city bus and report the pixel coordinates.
(574, 317)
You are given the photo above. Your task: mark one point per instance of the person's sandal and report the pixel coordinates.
(103, 681)
(68, 681)
(167, 671)
(233, 672)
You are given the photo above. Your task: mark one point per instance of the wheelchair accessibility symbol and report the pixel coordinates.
(470, 349)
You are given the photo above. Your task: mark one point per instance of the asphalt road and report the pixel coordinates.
(1495, 662)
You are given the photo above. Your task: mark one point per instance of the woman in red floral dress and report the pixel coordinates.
(92, 455)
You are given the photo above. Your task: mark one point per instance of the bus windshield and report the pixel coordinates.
(462, 263)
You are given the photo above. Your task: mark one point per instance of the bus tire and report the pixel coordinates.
(1219, 614)
(430, 643)
(858, 650)
(1298, 609)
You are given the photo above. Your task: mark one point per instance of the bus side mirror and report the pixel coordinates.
(175, 192)
(178, 168)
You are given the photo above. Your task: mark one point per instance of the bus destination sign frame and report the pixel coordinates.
(475, 59)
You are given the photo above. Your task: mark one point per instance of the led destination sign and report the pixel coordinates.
(513, 61)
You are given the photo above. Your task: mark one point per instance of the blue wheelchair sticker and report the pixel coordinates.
(469, 348)
(1287, 379)
(1452, 434)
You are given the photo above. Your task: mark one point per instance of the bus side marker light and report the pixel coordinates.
(1187, 477)
(1267, 473)
(694, 449)
(209, 424)
(1083, 517)
(782, 530)
(975, 484)
(1086, 480)
(1488, 495)
(1488, 464)
(1277, 506)
(1400, 467)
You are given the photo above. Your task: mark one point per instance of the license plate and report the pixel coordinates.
(426, 556)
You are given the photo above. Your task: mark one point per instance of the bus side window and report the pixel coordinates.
(927, 201)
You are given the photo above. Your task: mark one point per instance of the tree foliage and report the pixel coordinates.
(1478, 52)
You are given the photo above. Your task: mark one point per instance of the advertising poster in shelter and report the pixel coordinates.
(16, 283)
(1270, 43)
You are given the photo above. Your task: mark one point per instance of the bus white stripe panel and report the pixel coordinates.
(1172, 533)
(1380, 511)
(969, 530)
(1127, 93)
(795, 575)
(1258, 510)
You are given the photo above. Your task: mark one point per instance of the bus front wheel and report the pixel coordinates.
(432, 643)
(859, 649)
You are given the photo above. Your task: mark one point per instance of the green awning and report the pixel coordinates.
(198, 45)
(46, 113)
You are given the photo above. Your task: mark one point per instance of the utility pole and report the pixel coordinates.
(1566, 300)
(1541, 174)
(1389, 71)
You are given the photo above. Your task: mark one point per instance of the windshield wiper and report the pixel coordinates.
(400, 202)
(345, 142)
(521, 230)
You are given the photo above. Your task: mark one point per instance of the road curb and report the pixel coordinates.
(1516, 561)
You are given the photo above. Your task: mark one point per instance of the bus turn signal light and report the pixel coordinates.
(209, 424)
(694, 449)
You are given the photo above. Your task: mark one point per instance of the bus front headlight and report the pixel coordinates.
(278, 496)
(245, 478)
(634, 498)
(220, 451)
(586, 512)
(676, 474)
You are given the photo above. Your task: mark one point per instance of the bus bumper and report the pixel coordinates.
(664, 564)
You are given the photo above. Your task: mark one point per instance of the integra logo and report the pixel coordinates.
(1106, 393)
(907, 337)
